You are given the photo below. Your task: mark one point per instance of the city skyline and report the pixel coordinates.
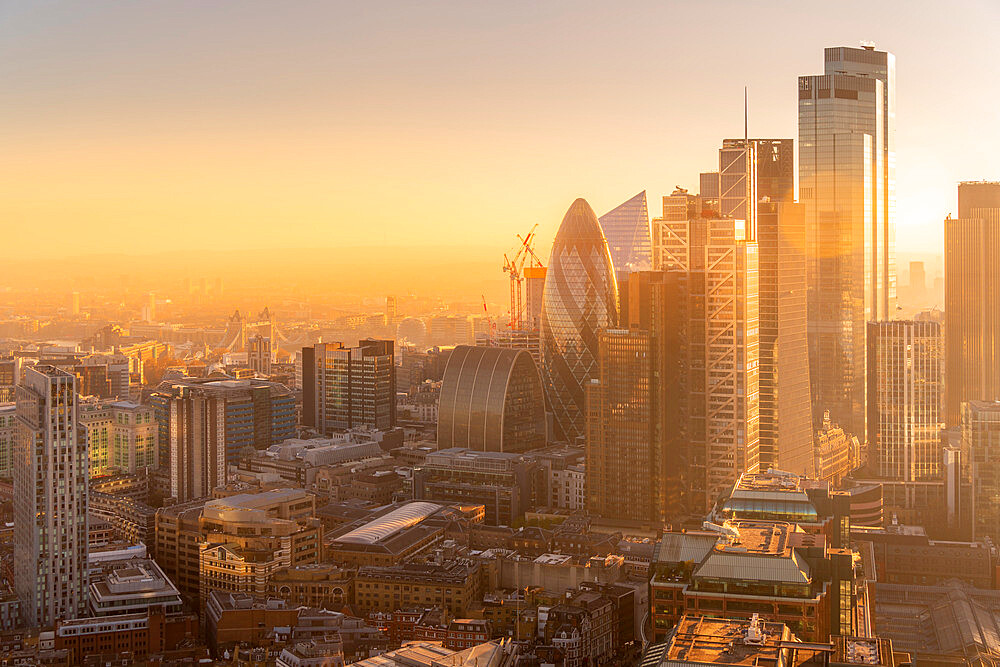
(315, 350)
(331, 138)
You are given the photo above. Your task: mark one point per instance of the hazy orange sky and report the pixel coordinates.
(165, 125)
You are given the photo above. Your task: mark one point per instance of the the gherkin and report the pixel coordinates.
(580, 298)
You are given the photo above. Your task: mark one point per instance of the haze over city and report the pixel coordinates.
(552, 334)
(438, 124)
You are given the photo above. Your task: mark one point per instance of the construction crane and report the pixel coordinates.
(491, 322)
(513, 266)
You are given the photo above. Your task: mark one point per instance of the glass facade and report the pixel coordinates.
(905, 378)
(580, 297)
(491, 400)
(972, 298)
(621, 453)
(626, 229)
(842, 183)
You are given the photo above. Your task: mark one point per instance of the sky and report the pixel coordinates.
(141, 127)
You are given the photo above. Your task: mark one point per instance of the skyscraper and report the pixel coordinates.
(580, 297)
(786, 433)
(50, 499)
(626, 228)
(847, 184)
(349, 387)
(205, 424)
(491, 400)
(621, 444)
(981, 442)
(905, 392)
(972, 298)
(761, 172)
(716, 314)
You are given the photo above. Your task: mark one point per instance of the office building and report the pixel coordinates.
(972, 298)
(712, 359)
(491, 400)
(626, 229)
(129, 585)
(259, 355)
(50, 499)
(745, 568)
(506, 484)
(452, 585)
(905, 393)
(236, 542)
(389, 538)
(623, 434)
(138, 635)
(981, 443)
(534, 288)
(836, 454)
(580, 297)
(785, 409)
(450, 330)
(347, 387)
(205, 424)
(121, 435)
(847, 185)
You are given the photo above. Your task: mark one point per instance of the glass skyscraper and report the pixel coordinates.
(580, 297)
(626, 228)
(847, 184)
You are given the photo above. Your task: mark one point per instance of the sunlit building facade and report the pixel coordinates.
(981, 442)
(626, 228)
(491, 401)
(716, 347)
(972, 298)
(50, 499)
(580, 298)
(621, 443)
(905, 393)
(349, 387)
(785, 412)
(847, 184)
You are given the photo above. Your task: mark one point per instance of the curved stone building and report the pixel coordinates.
(580, 297)
(491, 401)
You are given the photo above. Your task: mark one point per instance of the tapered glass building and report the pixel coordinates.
(626, 228)
(580, 297)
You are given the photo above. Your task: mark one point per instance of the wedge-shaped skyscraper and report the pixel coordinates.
(626, 229)
(580, 297)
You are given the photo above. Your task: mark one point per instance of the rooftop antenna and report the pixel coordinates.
(746, 135)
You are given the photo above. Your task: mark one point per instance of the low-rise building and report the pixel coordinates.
(132, 520)
(453, 586)
(506, 484)
(137, 634)
(702, 641)
(128, 586)
(744, 568)
(322, 585)
(390, 537)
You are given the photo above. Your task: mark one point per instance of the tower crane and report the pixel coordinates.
(513, 267)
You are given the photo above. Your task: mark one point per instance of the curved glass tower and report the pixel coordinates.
(580, 297)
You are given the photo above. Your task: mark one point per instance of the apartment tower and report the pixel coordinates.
(50, 499)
